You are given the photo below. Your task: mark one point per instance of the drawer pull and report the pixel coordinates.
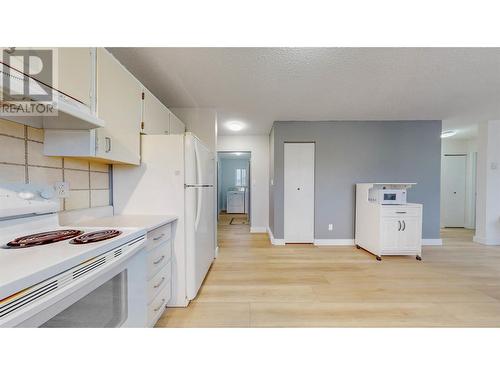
(159, 237)
(400, 212)
(161, 305)
(161, 282)
(159, 259)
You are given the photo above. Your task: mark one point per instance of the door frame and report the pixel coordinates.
(314, 188)
(249, 187)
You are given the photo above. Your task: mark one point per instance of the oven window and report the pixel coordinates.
(104, 307)
(389, 197)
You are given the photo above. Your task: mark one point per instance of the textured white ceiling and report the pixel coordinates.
(260, 85)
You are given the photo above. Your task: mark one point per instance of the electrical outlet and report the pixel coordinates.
(330, 227)
(62, 189)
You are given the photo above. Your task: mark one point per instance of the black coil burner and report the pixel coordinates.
(43, 238)
(95, 236)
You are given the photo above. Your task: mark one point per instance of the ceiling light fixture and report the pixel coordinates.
(235, 126)
(448, 133)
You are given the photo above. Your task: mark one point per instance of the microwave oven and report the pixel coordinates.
(388, 196)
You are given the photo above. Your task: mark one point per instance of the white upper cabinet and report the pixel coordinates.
(119, 97)
(76, 76)
(156, 117)
(176, 125)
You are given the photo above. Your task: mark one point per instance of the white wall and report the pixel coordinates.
(258, 145)
(488, 184)
(467, 147)
(202, 122)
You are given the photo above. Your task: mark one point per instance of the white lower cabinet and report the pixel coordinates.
(401, 234)
(159, 270)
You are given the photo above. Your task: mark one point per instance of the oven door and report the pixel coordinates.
(115, 298)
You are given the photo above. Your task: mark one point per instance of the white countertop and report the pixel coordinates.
(147, 222)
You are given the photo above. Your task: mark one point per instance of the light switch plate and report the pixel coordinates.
(62, 189)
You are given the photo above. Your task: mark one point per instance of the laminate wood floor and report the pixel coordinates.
(255, 284)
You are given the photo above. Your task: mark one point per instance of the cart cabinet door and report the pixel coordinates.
(410, 233)
(390, 233)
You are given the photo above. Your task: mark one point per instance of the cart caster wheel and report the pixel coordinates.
(358, 247)
(379, 258)
(419, 257)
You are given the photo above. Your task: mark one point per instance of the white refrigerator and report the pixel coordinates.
(176, 177)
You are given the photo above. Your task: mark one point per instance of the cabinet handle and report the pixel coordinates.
(404, 225)
(161, 282)
(399, 228)
(159, 237)
(108, 144)
(400, 212)
(159, 259)
(161, 304)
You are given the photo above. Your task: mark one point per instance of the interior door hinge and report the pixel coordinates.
(142, 96)
(142, 125)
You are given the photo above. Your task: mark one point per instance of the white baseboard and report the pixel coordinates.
(258, 230)
(275, 241)
(350, 242)
(432, 242)
(334, 242)
(486, 241)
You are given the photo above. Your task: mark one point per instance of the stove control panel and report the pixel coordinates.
(18, 199)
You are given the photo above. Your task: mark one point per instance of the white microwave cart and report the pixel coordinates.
(387, 229)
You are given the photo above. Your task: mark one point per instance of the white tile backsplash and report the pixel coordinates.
(12, 173)
(36, 156)
(99, 180)
(77, 179)
(45, 176)
(12, 150)
(22, 160)
(10, 128)
(77, 199)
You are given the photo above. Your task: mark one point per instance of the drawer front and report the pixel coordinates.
(159, 235)
(158, 305)
(158, 258)
(158, 282)
(401, 211)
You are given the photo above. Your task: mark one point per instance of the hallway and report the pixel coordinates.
(255, 284)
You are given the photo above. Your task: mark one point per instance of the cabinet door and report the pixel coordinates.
(410, 234)
(119, 102)
(390, 233)
(76, 73)
(176, 125)
(156, 116)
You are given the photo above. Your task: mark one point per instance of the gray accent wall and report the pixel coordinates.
(348, 152)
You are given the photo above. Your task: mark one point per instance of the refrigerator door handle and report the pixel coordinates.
(198, 163)
(198, 208)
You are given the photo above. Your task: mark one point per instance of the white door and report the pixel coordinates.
(454, 170)
(299, 192)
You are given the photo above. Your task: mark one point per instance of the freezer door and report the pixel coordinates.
(200, 236)
(199, 162)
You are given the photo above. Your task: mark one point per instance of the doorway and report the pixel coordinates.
(233, 187)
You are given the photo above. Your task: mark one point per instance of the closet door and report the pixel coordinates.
(299, 192)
